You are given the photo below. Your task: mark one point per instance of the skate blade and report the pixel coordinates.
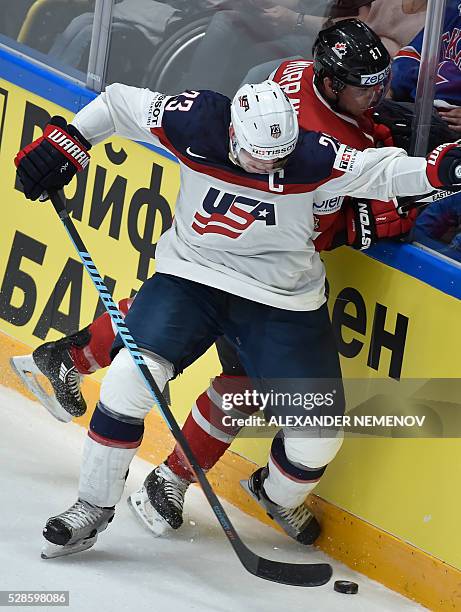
(27, 370)
(51, 551)
(152, 521)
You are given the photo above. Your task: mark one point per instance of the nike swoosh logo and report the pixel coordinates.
(189, 152)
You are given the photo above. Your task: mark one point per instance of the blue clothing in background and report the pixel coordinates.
(406, 63)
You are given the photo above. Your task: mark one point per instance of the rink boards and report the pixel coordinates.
(395, 315)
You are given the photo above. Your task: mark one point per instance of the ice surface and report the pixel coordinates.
(128, 569)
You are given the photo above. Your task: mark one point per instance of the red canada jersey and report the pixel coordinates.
(296, 78)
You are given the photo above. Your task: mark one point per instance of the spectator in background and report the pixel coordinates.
(405, 69)
(149, 17)
(338, 9)
(12, 17)
(395, 21)
(252, 32)
(439, 225)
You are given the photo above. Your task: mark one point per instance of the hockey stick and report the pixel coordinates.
(407, 203)
(305, 574)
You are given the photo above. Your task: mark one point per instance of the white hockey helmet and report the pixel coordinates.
(264, 121)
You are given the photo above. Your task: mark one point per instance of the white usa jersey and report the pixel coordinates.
(247, 234)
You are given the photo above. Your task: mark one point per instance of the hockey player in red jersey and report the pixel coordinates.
(341, 86)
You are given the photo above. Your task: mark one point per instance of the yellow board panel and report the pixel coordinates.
(407, 487)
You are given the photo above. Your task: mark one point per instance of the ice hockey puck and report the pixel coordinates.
(346, 586)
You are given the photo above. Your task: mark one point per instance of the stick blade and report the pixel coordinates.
(294, 574)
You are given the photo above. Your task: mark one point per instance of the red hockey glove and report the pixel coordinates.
(368, 221)
(51, 161)
(444, 166)
(332, 232)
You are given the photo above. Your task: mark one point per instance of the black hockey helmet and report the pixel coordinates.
(350, 53)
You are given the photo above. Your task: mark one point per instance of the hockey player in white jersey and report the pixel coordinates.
(327, 97)
(238, 261)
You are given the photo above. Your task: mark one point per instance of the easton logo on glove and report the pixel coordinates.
(68, 146)
(365, 232)
(368, 221)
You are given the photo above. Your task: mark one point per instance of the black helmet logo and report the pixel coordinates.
(276, 132)
(340, 49)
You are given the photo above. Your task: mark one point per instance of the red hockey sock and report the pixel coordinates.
(96, 354)
(207, 450)
(204, 429)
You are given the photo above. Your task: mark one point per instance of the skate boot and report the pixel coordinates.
(297, 522)
(54, 360)
(75, 530)
(159, 502)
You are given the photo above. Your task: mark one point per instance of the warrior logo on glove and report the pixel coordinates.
(68, 146)
(444, 165)
(51, 161)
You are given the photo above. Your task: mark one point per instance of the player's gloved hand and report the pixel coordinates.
(444, 166)
(51, 161)
(368, 221)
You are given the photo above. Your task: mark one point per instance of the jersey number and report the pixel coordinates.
(325, 141)
(182, 105)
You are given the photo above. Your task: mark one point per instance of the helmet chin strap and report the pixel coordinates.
(336, 86)
(234, 149)
(332, 103)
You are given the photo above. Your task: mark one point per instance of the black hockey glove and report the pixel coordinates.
(398, 118)
(51, 161)
(444, 166)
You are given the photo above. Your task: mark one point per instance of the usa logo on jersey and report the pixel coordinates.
(231, 215)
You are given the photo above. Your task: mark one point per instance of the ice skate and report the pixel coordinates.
(75, 529)
(158, 504)
(298, 523)
(54, 361)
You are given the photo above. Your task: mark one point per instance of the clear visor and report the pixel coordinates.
(372, 95)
